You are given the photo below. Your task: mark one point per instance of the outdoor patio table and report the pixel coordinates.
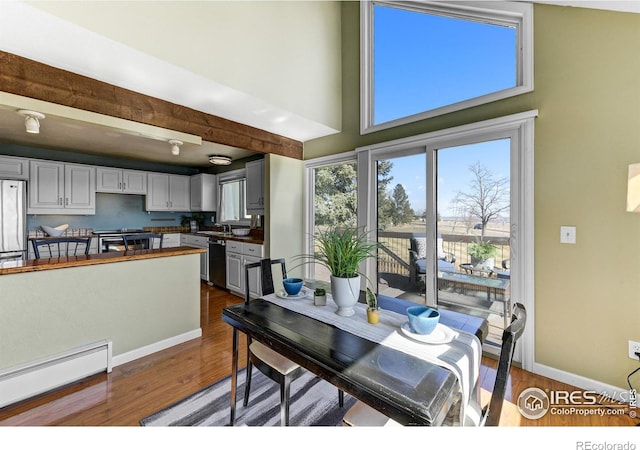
(408, 389)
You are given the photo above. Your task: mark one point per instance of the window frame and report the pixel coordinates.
(309, 195)
(229, 177)
(518, 15)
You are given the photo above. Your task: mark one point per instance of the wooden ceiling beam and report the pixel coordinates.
(28, 78)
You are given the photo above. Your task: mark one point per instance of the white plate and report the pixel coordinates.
(440, 335)
(302, 294)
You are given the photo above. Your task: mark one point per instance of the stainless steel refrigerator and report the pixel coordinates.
(13, 225)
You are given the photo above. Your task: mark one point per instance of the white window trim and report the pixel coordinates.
(515, 13)
(519, 127)
(309, 192)
(226, 177)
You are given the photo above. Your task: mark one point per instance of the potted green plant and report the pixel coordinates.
(341, 250)
(482, 255)
(320, 297)
(373, 310)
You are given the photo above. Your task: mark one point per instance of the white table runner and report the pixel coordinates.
(461, 356)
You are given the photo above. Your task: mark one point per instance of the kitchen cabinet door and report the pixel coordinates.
(121, 181)
(204, 192)
(79, 187)
(255, 286)
(134, 182)
(14, 168)
(167, 192)
(171, 240)
(157, 192)
(58, 188)
(255, 187)
(46, 187)
(235, 272)
(179, 189)
(108, 179)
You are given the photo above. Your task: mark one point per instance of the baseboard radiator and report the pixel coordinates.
(24, 381)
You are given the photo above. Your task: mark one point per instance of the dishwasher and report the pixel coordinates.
(218, 262)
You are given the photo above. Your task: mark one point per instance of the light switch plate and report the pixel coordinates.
(567, 235)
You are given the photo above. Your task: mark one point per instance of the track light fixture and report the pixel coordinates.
(31, 120)
(175, 147)
(219, 160)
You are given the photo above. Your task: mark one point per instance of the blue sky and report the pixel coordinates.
(423, 62)
(453, 173)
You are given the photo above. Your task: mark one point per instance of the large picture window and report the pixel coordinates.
(424, 59)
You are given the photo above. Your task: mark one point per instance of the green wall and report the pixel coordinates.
(587, 91)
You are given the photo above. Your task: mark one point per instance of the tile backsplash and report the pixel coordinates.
(113, 211)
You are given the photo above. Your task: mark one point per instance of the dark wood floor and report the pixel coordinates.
(142, 387)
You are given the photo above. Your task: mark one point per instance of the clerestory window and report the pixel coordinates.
(423, 59)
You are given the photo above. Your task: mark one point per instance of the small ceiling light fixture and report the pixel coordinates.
(175, 147)
(219, 160)
(31, 120)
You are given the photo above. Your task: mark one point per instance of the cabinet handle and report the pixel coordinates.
(124, 186)
(66, 201)
(119, 185)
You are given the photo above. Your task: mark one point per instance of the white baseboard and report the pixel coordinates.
(613, 392)
(155, 347)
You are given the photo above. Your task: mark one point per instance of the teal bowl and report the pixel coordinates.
(423, 320)
(293, 286)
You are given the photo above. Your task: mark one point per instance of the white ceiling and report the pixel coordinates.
(37, 35)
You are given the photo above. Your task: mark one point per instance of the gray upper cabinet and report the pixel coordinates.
(14, 168)
(167, 192)
(121, 181)
(58, 188)
(204, 192)
(255, 187)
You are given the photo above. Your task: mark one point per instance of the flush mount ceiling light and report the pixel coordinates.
(220, 160)
(31, 120)
(175, 147)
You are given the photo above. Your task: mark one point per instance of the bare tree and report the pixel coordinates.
(487, 196)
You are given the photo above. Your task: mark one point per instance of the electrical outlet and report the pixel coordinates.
(633, 348)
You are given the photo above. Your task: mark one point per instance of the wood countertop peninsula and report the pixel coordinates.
(34, 265)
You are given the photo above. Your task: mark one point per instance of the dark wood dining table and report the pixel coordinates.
(407, 389)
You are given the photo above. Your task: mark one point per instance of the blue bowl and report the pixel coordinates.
(423, 320)
(292, 285)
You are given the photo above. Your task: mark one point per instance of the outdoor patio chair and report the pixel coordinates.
(418, 262)
(362, 414)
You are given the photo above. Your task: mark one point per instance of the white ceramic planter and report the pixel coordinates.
(345, 292)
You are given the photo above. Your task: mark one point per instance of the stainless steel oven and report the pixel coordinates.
(111, 240)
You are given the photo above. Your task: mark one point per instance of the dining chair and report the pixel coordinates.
(62, 246)
(272, 364)
(362, 414)
(142, 241)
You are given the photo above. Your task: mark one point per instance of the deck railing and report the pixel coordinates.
(394, 254)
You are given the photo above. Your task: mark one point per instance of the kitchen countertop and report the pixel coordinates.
(34, 265)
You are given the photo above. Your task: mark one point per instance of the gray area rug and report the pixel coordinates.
(313, 402)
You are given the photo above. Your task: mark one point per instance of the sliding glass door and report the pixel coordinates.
(473, 230)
